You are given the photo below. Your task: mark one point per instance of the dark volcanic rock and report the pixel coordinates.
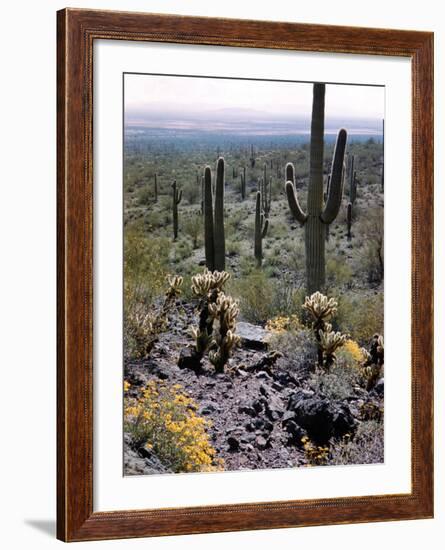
(296, 433)
(233, 443)
(189, 360)
(379, 387)
(244, 405)
(246, 409)
(274, 408)
(207, 407)
(321, 418)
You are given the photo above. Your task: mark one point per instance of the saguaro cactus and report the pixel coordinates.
(243, 183)
(261, 226)
(353, 188)
(266, 192)
(352, 175)
(349, 220)
(176, 199)
(202, 193)
(317, 217)
(156, 187)
(252, 156)
(214, 237)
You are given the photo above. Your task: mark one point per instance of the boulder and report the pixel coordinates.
(379, 388)
(252, 336)
(262, 443)
(208, 407)
(320, 417)
(189, 360)
(233, 442)
(295, 433)
(274, 408)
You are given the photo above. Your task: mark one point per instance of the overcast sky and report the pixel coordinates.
(144, 93)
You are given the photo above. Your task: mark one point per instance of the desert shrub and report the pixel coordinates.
(256, 297)
(337, 384)
(145, 265)
(338, 273)
(366, 447)
(145, 196)
(182, 251)
(281, 324)
(165, 203)
(360, 317)
(371, 411)
(316, 455)
(192, 191)
(350, 354)
(287, 296)
(193, 227)
(371, 253)
(164, 419)
(234, 224)
(153, 219)
(297, 348)
(233, 248)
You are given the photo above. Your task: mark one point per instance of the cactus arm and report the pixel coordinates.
(290, 172)
(294, 205)
(208, 220)
(265, 228)
(218, 227)
(179, 196)
(336, 181)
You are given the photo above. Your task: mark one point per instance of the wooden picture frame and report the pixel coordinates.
(77, 31)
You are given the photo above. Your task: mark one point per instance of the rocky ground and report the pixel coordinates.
(259, 408)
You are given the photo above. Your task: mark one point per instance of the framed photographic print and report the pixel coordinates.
(245, 228)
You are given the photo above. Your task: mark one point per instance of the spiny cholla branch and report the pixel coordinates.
(330, 341)
(224, 311)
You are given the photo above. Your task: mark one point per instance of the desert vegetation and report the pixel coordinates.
(253, 300)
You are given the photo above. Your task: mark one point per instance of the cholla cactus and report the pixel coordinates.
(330, 341)
(139, 325)
(373, 361)
(144, 327)
(175, 283)
(207, 286)
(172, 292)
(203, 283)
(322, 309)
(224, 311)
(320, 306)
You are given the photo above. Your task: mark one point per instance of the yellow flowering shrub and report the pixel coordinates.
(316, 455)
(350, 354)
(281, 324)
(164, 419)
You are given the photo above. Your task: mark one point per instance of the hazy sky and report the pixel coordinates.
(188, 94)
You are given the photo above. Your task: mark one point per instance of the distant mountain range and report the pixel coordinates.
(242, 122)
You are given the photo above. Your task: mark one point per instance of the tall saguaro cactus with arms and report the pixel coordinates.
(318, 214)
(214, 238)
